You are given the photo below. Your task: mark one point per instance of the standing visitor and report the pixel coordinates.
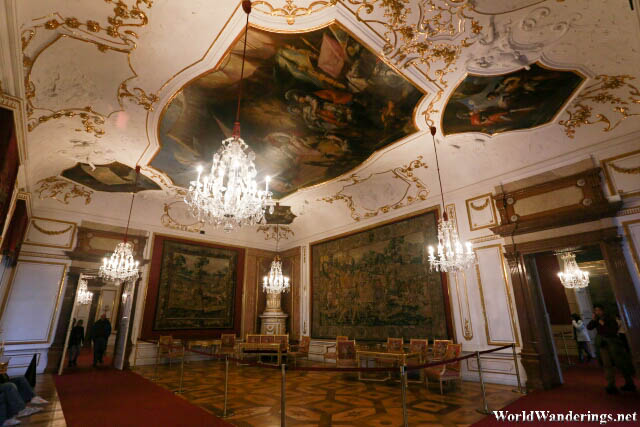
(76, 339)
(100, 334)
(610, 350)
(581, 336)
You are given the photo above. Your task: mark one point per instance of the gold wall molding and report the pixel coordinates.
(609, 166)
(62, 190)
(629, 211)
(271, 232)
(170, 222)
(404, 173)
(465, 317)
(487, 203)
(50, 232)
(290, 11)
(486, 238)
(614, 91)
(481, 207)
(117, 34)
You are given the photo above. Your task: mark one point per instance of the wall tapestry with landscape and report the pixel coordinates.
(193, 287)
(376, 283)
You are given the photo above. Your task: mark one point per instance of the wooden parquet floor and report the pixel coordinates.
(324, 398)
(51, 414)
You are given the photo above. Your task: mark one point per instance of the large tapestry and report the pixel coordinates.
(196, 287)
(376, 283)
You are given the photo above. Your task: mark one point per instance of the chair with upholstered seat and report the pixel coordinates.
(449, 371)
(169, 348)
(228, 344)
(332, 355)
(346, 354)
(395, 345)
(252, 338)
(420, 346)
(297, 351)
(439, 349)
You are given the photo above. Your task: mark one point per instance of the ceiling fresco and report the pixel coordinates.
(520, 100)
(113, 177)
(315, 105)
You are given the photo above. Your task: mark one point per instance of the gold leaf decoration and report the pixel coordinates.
(482, 206)
(615, 91)
(50, 232)
(114, 34)
(168, 221)
(271, 232)
(62, 190)
(405, 173)
(290, 11)
(620, 169)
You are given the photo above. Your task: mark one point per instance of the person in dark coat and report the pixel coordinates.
(99, 335)
(610, 350)
(76, 339)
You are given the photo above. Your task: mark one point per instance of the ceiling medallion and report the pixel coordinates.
(291, 11)
(572, 276)
(452, 254)
(121, 266)
(84, 295)
(229, 195)
(275, 282)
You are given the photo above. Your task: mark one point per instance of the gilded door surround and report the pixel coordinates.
(537, 351)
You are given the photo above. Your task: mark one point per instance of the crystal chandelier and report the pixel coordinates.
(228, 196)
(84, 295)
(121, 266)
(275, 282)
(572, 276)
(452, 254)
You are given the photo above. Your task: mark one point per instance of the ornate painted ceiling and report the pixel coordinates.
(340, 95)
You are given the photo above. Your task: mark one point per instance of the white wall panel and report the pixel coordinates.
(32, 301)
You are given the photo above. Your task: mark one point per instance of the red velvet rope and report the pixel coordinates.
(333, 369)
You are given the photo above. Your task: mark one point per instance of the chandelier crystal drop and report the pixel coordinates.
(452, 255)
(121, 266)
(84, 295)
(275, 282)
(572, 276)
(228, 196)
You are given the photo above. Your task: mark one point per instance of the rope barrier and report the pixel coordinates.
(329, 368)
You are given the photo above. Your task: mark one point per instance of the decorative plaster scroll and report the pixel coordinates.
(365, 204)
(430, 38)
(164, 182)
(290, 10)
(116, 35)
(62, 190)
(621, 173)
(481, 212)
(499, 52)
(614, 91)
(171, 211)
(271, 232)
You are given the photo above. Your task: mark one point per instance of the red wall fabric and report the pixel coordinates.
(554, 296)
(15, 233)
(9, 162)
(152, 296)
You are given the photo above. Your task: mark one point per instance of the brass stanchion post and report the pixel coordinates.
(283, 398)
(485, 407)
(226, 384)
(403, 378)
(515, 362)
(181, 371)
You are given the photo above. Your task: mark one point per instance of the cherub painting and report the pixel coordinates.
(519, 100)
(315, 105)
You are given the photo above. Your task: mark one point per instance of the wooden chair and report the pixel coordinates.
(418, 346)
(268, 339)
(395, 345)
(283, 340)
(439, 349)
(169, 348)
(227, 343)
(253, 338)
(332, 355)
(297, 351)
(447, 372)
(346, 354)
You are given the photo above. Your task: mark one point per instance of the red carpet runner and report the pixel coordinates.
(108, 397)
(582, 392)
